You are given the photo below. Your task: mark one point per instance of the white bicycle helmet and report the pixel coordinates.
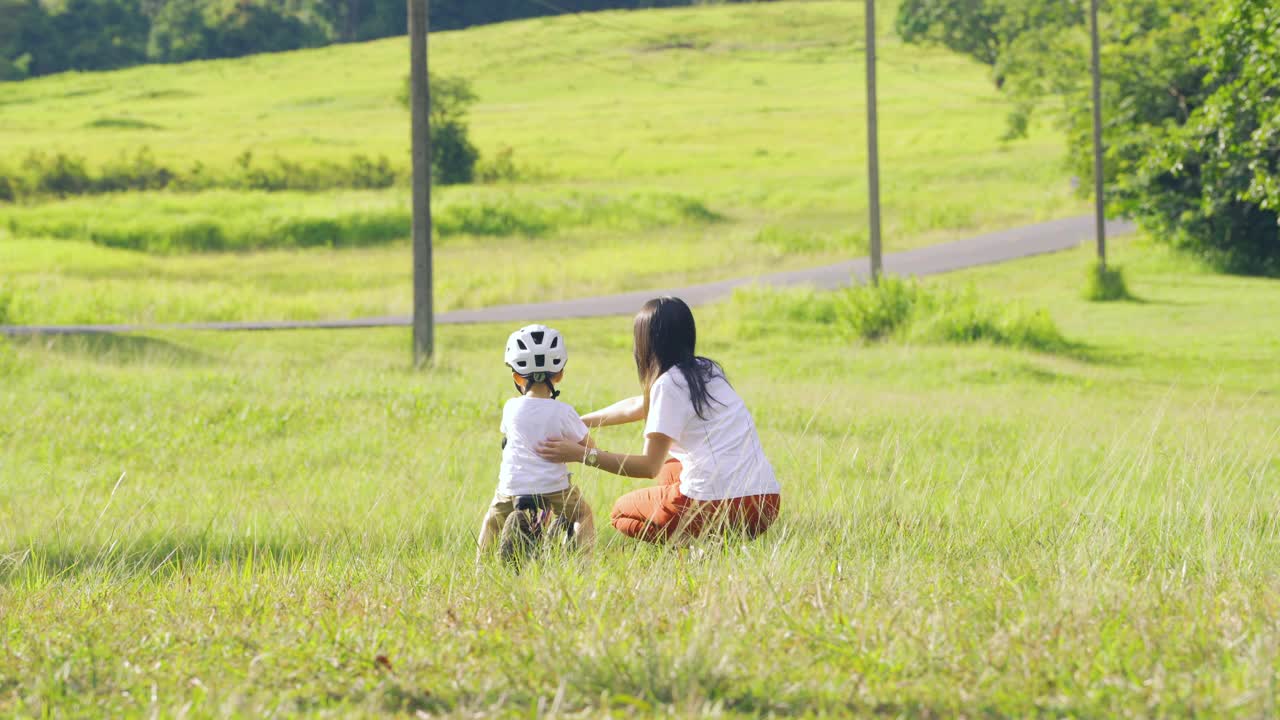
(537, 353)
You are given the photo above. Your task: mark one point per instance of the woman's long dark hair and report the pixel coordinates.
(665, 338)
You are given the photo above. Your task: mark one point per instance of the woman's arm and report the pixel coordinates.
(619, 413)
(647, 465)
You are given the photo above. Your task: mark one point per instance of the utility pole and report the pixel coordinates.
(420, 105)
(873, 143)
(1098, 198)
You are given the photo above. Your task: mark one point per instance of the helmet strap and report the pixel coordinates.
(538, 377)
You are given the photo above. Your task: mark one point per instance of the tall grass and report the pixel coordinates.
(1106, 284)
(59, 175)
(222, 221)
(967, 529)
(897, 308)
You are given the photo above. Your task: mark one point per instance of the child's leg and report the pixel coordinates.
(584, 527)
(573, 507)
(491, 526)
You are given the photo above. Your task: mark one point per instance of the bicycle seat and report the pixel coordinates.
(530, 502)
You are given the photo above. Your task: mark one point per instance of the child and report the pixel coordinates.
(528, 486)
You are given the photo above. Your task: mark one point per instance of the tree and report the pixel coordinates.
(25, 38)
(249, 27)
(1191, 101)
(179, 32)
(1207, 178)
(969, 27)
(984, 29)
(453, 156)
(100, 35)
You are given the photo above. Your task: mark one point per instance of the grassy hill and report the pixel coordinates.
(755, 113)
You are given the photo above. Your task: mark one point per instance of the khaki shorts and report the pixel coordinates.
(567, 503)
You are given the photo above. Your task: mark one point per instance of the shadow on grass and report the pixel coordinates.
(159, 558)
(34, 561)
(117, 349)
(1089, 354)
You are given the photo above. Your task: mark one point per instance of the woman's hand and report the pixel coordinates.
(656, 446)
(560, 450)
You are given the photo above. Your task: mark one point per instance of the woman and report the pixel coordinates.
(719, 480)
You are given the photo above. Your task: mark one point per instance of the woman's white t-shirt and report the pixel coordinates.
(527, 421)
(721, 455)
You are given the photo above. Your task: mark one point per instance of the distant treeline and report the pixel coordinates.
(40, 37)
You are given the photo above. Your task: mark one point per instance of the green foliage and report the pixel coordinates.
(281, 174)
(1206, 175)
(213, 222)
(95, 35)
(970, 27)
(453, 156)
(1191, 149)
(1106, 284)
(985, 30)
(500, 167)
(61, 175)
(512, 217)
(245, 28)
(897, 308)
(23, 26)
(58, 174)
(179, 32)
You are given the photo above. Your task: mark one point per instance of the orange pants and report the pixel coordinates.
(659, 513)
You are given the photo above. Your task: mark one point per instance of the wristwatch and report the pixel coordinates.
(593, 457)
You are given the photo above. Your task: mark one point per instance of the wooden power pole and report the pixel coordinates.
(420, 102)
(1098, 197)
(873, 143)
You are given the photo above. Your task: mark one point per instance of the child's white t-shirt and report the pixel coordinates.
(721, 455)
(527, 421)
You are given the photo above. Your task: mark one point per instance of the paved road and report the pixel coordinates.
(996, 247)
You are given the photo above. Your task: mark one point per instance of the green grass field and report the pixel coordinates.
(216, 525)
(242, 524)
(755, 113)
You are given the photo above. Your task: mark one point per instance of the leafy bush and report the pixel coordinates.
(897, 309)
(140, 172)
(64, 175)
(58, 174)
(453, 156)
(1106, 284)
(499, 168)
(235, 221)
(873, 312)
(280, 174)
